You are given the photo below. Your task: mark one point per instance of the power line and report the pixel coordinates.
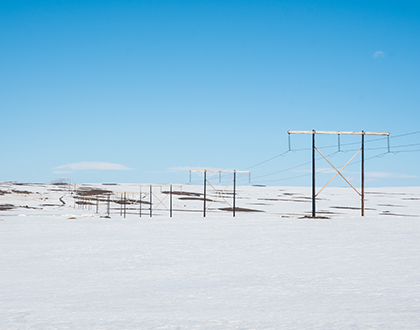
(288, 178)
(284, 153)
(401, 151)
(405, 134)
(291, 168)
(267, 160)
(344, 144)
(407, 145)
(324, 171)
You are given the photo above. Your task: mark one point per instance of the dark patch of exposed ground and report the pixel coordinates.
(194, 199)
(84, 203)
(93, 192)
(351, 208)
(6, 207)
(25, 192)
(311, 217)
(239, 209)
(385, 193)
(183, 193)
(390, 205)
(327, 212)
(128, 201)
(397, 215)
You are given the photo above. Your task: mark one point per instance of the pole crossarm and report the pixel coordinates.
(338, 132)
(160, 185)
(219, 171)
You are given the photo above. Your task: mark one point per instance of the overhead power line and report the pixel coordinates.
(267, 160)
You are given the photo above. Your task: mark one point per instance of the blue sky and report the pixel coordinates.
(142, 91)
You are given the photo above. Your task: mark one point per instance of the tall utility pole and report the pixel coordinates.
(313, 175)
(339, 172)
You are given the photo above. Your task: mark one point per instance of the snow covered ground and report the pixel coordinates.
(64, 266)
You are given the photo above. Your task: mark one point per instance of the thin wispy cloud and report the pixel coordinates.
(89, 166)
(355, 174)
(187, 168)
(378, 53)
(389, 175)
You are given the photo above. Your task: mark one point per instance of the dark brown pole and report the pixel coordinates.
(313, 174)
(363, 173)
(125, 204)
(205, 181)
(150, 196)
(234, 192)
(170, 201)
(109, 197)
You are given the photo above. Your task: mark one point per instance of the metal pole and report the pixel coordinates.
(97, 204)
(125, 204)
(170, 201)
(313, 173)
(234, 193)
(121, 204)
(140, 203)
(363, 174)
(204, 208)
(109, 197)
(150, 200)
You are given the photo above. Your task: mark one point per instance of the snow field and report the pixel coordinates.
(67, 268)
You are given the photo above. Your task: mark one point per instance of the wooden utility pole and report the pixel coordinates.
(313, 174)
(363, 173)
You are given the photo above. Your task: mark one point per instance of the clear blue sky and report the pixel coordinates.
(141, 91)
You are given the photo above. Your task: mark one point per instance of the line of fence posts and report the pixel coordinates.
(122, 199)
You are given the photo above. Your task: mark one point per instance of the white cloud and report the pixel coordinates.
(187, 168)
(350, 175)
(63, 172)
(85, 166)
(321, 170)
(378, 54)
(389, 175)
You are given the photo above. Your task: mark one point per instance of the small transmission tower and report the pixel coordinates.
(339, 172)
